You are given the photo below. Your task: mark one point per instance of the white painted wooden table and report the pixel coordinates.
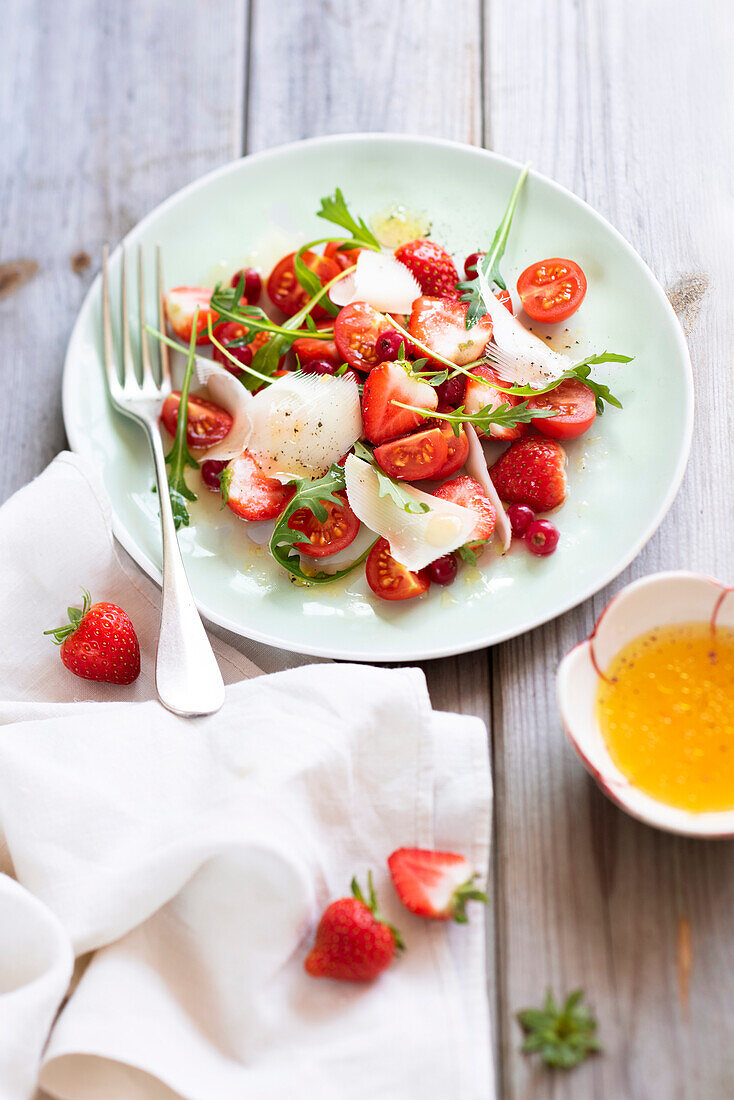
(109, 107)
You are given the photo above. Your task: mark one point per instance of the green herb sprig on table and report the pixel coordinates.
(284, 542)
(477, 290)
(179, 456)
(563, 1035)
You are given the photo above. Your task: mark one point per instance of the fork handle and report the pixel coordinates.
(187, 676)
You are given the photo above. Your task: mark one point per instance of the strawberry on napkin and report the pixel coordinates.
(194, 858)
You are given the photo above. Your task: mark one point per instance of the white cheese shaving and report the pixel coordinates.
(476, 466)
(415, 538)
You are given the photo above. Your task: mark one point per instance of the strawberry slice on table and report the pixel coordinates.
(440, 324)
(181, 304)
(353, 941)
(99, 643)
(478, 395)
(249, 493)
(431, 265)
(434, 884)
(385, 384)
(533, 472)
(468, 493)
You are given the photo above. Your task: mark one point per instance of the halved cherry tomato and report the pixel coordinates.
(229, 331)
(356, 331)
(336, 532)
(575, 407)
(346, 257)
(250, 493)
(207, 423)
(478, 395)
(413, 457)
(181, 304)
(307, 349)
(457, 450)
(440, 324)
(384, 385)
(284, 289)
(551, 290)
(389, 579)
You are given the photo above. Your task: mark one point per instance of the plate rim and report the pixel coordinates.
(127, 541)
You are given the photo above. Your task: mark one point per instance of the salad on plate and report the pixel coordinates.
(367, 408)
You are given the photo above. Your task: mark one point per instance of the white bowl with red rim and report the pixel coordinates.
(658, 600)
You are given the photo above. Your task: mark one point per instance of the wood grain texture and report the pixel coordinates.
(107, 108)
(338, 65)
(627, 104)
(330, 66)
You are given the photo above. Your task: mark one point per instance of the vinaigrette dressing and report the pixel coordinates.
(667, 715)
(397, 225)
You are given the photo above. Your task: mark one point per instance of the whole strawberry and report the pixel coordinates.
(533, 472)
(99, 643)
(353, 941)
(432, 266)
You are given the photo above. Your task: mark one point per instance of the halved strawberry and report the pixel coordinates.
(434, 884)
(249, 493)
(431, 265)
(181, 304)
(441, 325)
(533, 472)
(387, 383)
(477, 395)
(468, 493)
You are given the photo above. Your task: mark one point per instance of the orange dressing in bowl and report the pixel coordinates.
(667, 715)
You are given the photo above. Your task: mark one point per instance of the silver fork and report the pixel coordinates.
(187, 677)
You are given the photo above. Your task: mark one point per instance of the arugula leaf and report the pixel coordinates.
(334, 209)
(265, 361)
(437, 379)
(504, 416)
(563, 1035)
(581, 371)
(284, 541)
(477, 290)
(179, 456)
(388, 486)
(310, 281)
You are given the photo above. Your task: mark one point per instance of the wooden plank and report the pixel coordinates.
(326, 67)
(106, 109)
(391, 65)
(628, 105)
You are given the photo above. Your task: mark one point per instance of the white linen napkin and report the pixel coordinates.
(193, 858)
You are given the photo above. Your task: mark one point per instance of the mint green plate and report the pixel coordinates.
(623, 475)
